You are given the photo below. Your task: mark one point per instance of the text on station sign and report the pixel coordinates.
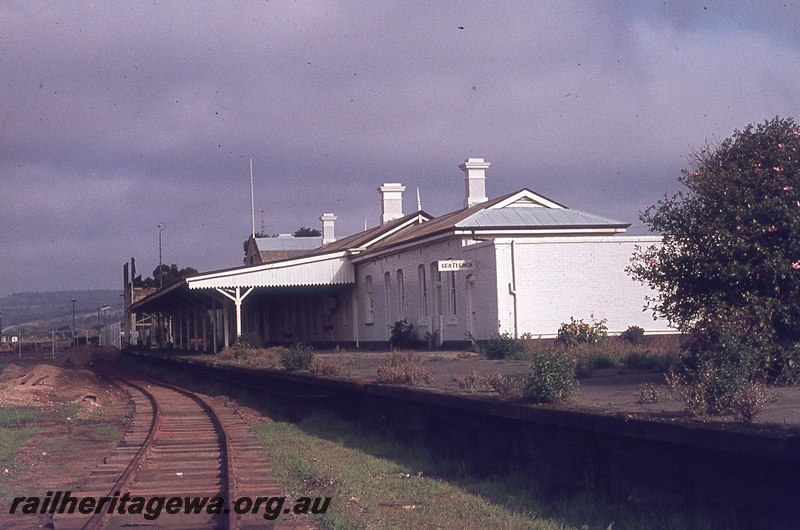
(448, 265)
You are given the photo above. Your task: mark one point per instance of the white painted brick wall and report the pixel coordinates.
(486, 293)
(409, 261)
(556, 278)
(559, 278)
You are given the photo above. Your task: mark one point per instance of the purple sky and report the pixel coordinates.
(119, 115)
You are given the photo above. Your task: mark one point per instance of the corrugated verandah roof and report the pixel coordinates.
(326, 270)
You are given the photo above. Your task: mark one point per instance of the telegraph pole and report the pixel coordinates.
(73, 322)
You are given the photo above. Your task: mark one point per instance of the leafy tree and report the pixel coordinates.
(728, 269)
(307, 232)
(170, 273)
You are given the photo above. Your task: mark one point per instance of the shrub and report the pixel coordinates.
(331, 366)
(599, 360)
(250, 340)
(507, 387)
(634, 335)
(783, 366)
(552, 377)
(637, 360)
(298, 357)
(470, 381)
(648, 394)
(504, 346)
(402, 335)
(264, 357)
(399, 369)
(583, 368)
(577, 332)
(235, 352)
(712, 375)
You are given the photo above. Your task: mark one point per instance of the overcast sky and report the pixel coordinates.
(116, 116)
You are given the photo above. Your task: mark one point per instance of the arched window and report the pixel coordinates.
(387, 298)
(401, 295)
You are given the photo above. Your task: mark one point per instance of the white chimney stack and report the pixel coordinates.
(474, 180)
(391, 201)
(328, 220)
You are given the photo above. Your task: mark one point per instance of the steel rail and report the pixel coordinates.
(228, 483)
(98, 519)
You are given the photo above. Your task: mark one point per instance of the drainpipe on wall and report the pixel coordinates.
(512, 288)
(355, 314)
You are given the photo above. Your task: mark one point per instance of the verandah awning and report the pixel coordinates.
(317, 270)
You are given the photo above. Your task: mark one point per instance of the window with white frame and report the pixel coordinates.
(369, 317)
(451, 294)
(401, 295)
(387, 298)
(423, 293)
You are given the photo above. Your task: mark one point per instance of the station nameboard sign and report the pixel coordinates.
(450, 265)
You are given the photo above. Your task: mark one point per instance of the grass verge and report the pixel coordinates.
(377, 482)
(14, 432)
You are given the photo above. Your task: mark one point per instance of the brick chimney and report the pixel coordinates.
(328, 220)
(391, 201)
(474, 180)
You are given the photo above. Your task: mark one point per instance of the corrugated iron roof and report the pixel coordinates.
(512, 217)
(488, 215)
(321, 271)
(377, 233)
(266, 244)
(272, 249)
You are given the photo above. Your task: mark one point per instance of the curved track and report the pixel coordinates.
(178, 446)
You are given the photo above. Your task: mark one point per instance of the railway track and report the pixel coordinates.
(179, 449)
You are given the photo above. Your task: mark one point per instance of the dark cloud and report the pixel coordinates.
(118, 116)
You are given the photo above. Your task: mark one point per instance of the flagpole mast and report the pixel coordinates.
(252, 199)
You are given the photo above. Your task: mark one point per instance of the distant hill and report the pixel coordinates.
(54, 309)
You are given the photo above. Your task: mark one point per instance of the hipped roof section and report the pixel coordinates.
(521, 211)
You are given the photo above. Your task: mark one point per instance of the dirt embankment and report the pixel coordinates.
(78, 419)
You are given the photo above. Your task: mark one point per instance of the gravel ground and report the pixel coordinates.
(611, 391)
(77, 411)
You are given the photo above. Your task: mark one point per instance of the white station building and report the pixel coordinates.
(520, 264)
